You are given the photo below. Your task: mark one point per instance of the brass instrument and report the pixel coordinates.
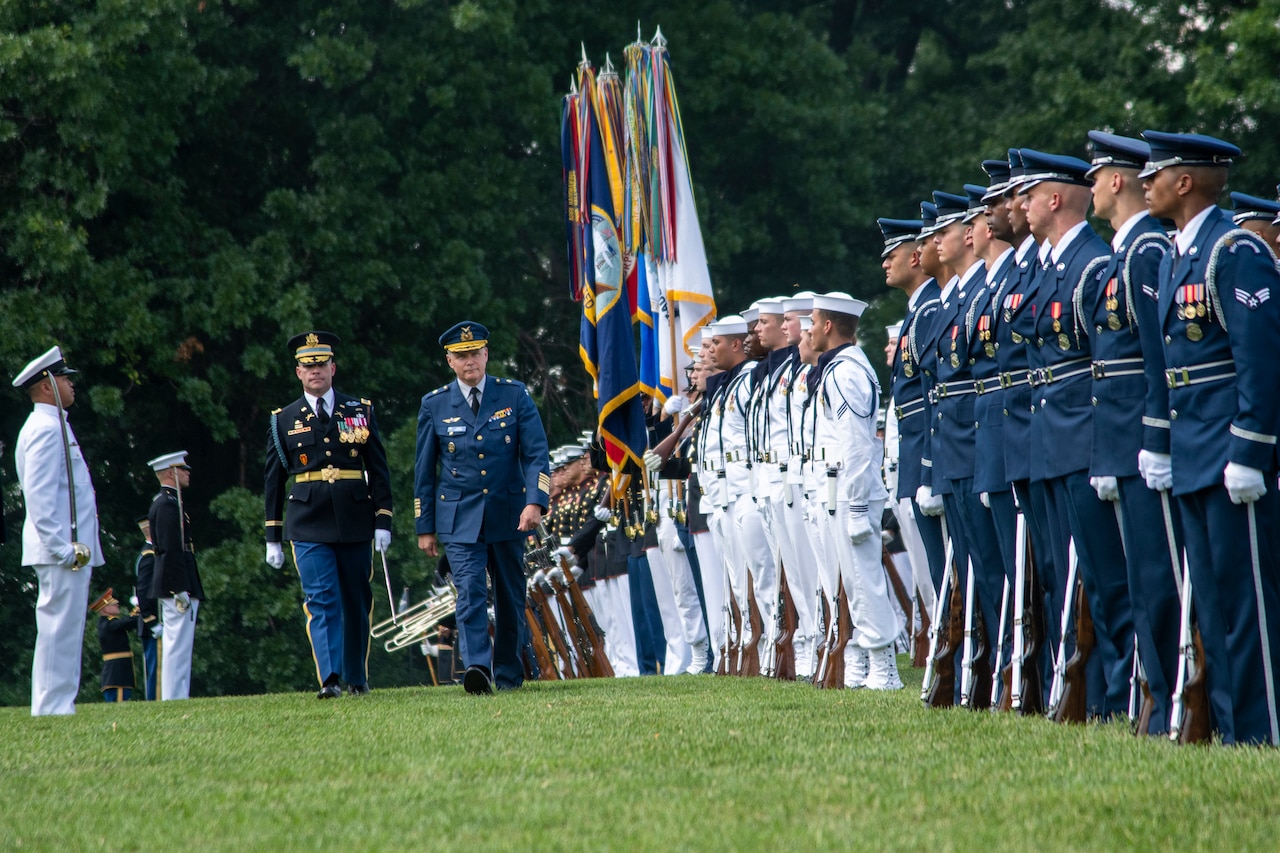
(419, 623)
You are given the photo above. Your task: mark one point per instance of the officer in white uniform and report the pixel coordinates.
(854, 495)
(61, 549)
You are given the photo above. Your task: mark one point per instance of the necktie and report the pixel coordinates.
(475, 400)
(321, 412)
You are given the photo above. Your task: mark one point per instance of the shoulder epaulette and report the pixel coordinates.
(366, 401)
(437, 391)
(150, 551)
(277, 411)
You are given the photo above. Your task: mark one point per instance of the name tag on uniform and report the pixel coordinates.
(458, 430)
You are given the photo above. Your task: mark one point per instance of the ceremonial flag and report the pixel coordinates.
(606, 343)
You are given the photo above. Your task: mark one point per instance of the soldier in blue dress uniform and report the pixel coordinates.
(1220, 316)
(1258, 215)
(1056, 198)
(901, 263)
(148, 617)
(1116, 310)
(328, 442)
(481, 482)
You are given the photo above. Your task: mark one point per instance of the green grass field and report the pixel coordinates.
(697, 763)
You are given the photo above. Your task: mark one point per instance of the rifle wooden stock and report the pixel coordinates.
(895, 581)
(822, 641)
(920, 640)
(980, 664)
(551, 629)
(1073, 707)
(749, 654)
(599, 663)
(942, 693)
(1195, 700)
(541, 653)
(834, 679)
(784, 654)
(582, 645)
(1143, 723)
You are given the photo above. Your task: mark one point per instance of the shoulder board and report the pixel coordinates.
(435, 392)
(507, 382)
(366, 401)
(276, 411)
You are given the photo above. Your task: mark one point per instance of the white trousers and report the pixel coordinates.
(177, 640)
(677, 657)
(683, 588)
(865, 583)
(754, 553)
(711, 563)
(61, 610)
(620, 635)
(786, 524)
(920, 579)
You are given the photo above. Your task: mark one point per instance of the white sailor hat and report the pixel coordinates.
(48, 364)
(894, 330)
(839, 303)
(772, 305)
(177, 459)
(802, 301)
(752, 314)
(734, 324)
(806, 322)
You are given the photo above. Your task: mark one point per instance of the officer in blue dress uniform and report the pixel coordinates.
(989, 480)
(328, 442)
(481, 482)
(1056, 197)
(953, 397)
(1117, 310)
(901, 262)
(1220, 315)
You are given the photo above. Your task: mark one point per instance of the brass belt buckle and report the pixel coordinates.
(329, 474)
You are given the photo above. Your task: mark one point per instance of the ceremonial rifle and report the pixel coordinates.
(1072, 706)
(1189, 719)
(950, 636)
(542, 651)
(749, 645)
(1000, 685)
(784, 649)
(935, 626)
(843, 624)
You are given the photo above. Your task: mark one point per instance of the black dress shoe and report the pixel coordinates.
(329, 691)
(476, 681)
(358, 689)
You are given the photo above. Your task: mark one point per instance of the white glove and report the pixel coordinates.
(157, 630)
(1156, 469)
(66, 556)
(566, 554)
(1244, 484)
(930, 504)
(382, 540)
(985, 497)
(859, 528)
(675, 405)
(575, 571)
(886, 536)
(1106, 487)
(652, 460)
(275, 555)
(182, 601)
(133, 600)
(603, 513)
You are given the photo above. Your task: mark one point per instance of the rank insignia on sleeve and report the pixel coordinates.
(417, 507)
(1252, 300)
(544, 483)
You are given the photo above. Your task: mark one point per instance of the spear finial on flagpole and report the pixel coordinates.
(585, 61)
(573, 85)
(658, 40)
(608, 64)
(639, 37)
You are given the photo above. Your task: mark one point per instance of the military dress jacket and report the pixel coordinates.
(1013, 357)
(475, 473)
(174, 569)
(1115, 300)
(117, 653)
(148, 609)
(341, 482)
(1062, 387)
(907, 387)
(951, 440)
(1221, 364)
(988, 406)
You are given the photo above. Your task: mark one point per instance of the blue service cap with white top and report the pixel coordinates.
(977, 205)
(49, 363)
(898, 231)
(1118, 152)
(1246, 208)
(838, 302)
(1039, 167)
(928, 218)
(1185, 149)
(997, 178)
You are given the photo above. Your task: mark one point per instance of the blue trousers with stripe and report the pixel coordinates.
(339, 603)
